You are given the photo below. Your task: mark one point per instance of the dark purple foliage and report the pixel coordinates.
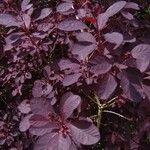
(50, 53)
(60, 127)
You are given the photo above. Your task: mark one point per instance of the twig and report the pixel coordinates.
(112, 112)
(99, 105)
(100, 110)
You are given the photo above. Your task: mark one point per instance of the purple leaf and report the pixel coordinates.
(132, 5)
(115, 8)
(45, 27)
(45, 12)
(71, 25)
(82, 51)
(41, 88)
(53, 141)
(25, 5)
(142, 54)
(71, 79)
(81, 13)
(146, 89)
(115, 38)
(38, 120)
(141, 51)
(102, 19)
(100, 66)
(67, 64)
(39, 131)
(84, 132)
(142, 64)
(86, 44)
(106, 87)
(9, 20)
(69, 103)
(63, 7)
(42, 142)
(25, 123)
(85, 36)
(37, 88)
(127, 15)
(41, 106)
(24, 107)
(27, 20)
(131, 84)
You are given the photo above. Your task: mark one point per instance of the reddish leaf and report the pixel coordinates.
(89, 19)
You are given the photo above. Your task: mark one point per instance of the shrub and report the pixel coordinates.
(83, 52)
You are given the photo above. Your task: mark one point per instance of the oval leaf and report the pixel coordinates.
(85, 36)
(100, 66)
(131, 84)
(102, 19)
(115, 38)
(132, 5)
(25, 123)
(71, 25)
(107, 87)
(69, 103)
(38, 120)
(71, 79)
(24, 107)
(63, 7)
(39, 131)
(53, 141)
(85, 132)
(25, 5)
(41, 106)
(44, 13)
(127, 15)
(67, 64)
(141, 51)
(9, 20)
(82, 50)
(115, 8)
